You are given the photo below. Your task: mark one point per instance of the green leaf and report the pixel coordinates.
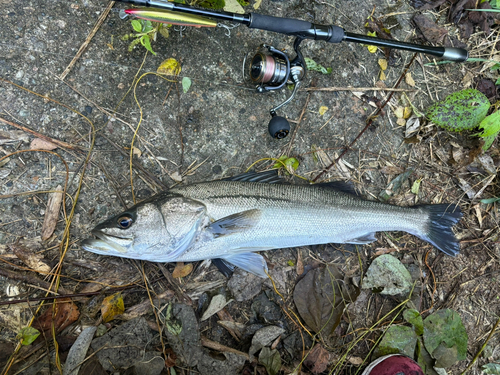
(413, 317)
(491, 368)
(397, 340)
(147, 26)
(313, 65)
(186, 84)
(28, 335)
(445, 337)
(416, 186)
(147, 44)
(174, 326)
(290, 164)
(491, 128)
(490, 200)
(395, 185)
(271, 360)
(424, 359)
(462, 110)
(137, 26)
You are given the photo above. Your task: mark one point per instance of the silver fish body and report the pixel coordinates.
(232, 220)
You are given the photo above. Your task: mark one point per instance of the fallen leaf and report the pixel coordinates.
(412, 126)
(28, 335)
(232, 6)
(176, 176)
(78, 351)
(399, 112)
(257, 4)
(61, 315)
(317, 359)
(169, 67)
(300, 264)
(186, 84)
(382, 76)
(112, 306)
(52, 212)
(42, 144)
(182, 270)
(382, 63)
(413, 317)
(136, 151)
(13, 136)
(409, 80)
(406, 112)
(4, 172)
(416, 186)
(217, 303)
(322, 110)
(264, 337)
(29, 257)
(491, 368)
(321, 296)
(271, 360)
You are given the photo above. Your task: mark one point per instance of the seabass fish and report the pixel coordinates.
(232, 219)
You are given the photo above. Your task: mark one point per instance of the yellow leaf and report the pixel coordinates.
(169, 67)
(382, 75)
(232, 6)
(322, 110)
(182, 270)
(382, 63)
(407, 112)
(257, 4)
(401, 122)
(112, 306)
(372, 49)
(399, 112)
(409, 80)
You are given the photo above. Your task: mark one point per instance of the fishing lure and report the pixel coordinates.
(173, 18)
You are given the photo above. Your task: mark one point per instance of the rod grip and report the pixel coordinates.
(288, 26)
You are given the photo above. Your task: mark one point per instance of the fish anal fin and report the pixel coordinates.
(250, 262)
(363, 239)
(235, 223)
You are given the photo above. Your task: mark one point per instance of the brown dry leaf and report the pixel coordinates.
(42, 144)
(399, 112)
(29, 257)
(137, 152)
(65, 313)
(112, 306)
(409, 80)
(382, 63)
(382, 76)
(52, 213)
(171, 357)
(321, 296)
(13, 136)
(182, 270)
(317, 360)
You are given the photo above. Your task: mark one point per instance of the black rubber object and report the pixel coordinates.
(279, 127)
(286, 26)
(338, 34)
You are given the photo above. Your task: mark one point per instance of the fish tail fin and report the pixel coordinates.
(442, 218)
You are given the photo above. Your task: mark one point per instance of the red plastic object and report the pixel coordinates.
(393, 364)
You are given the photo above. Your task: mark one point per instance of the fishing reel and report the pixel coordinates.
(271, 69)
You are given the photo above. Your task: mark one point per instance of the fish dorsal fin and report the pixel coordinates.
(363, 239)
(250, 262)
(344, 187)
(235, 223)
(268, 177)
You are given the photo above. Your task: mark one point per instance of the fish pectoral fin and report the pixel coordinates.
(224, 267)
(364, 239)
(250, 262)
(234, 223)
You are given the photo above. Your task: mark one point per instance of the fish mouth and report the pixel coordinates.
(107, 244)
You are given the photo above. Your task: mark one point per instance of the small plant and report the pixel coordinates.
(145, 32)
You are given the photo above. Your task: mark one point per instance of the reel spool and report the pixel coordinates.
(271, 69)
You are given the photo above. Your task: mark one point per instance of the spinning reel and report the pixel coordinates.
(271, 70)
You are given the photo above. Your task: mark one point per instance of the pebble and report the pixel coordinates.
(24, 113)
(20, 74)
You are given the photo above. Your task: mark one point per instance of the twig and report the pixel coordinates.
(87, 41)
(221, 348)
(369, 122)
(482, 347)
(298, 125)
(30, 279)
(41, 136)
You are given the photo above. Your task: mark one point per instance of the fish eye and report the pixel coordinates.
(124, 222)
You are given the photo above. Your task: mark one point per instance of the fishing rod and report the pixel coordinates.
(271, 68)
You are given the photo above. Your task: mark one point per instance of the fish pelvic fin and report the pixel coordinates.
(442, 218)
(250, 262)
(234, 223)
